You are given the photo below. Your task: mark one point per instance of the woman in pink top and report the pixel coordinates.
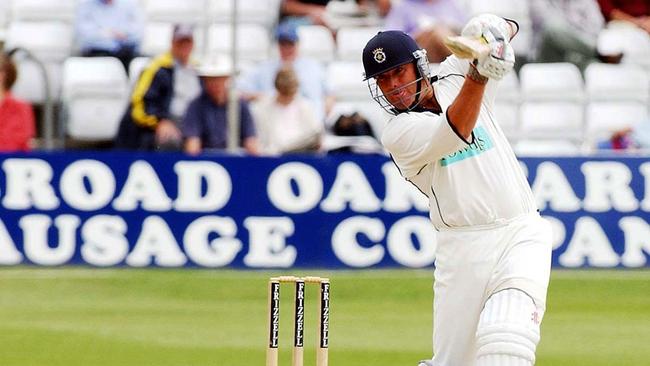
(16, 116)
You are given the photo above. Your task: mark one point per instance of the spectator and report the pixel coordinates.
(160, 97)
(567, 31)
(286, 121)
(636, 12)
(383, 7)
(303, 12)
(109, 28)
(314, 12)
(16, 117)
(311, 74)
(630, 138)
(205, 125)
(429, 22)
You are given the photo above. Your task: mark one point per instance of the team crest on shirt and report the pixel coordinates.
(379, 55)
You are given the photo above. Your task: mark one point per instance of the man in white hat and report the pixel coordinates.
(205, 125)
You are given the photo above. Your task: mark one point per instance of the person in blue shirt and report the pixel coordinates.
(205, 125)
(109, 28)
(311, 74)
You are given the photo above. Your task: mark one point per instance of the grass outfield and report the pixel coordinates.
(93, 317)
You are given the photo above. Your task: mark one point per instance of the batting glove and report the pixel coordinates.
(498, 62)
(487, 23)
(495, 32)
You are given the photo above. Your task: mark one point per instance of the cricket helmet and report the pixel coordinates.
(390, 49)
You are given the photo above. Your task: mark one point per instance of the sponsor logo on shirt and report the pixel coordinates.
(482, 143)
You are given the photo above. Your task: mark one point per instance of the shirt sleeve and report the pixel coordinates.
(87, 32)
(452, 73)
(247, 123)
(151, 98)
(27, 126)
(134, 23)
(417, 139)
(191, 126)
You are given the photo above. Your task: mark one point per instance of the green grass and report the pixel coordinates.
(93, 317)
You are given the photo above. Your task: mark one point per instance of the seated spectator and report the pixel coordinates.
(286, 121)
(314, 12)
(304, 12)
(631, 138)
(109, 28)
(311, 74)
(205, 125)
(635, 12)
(429, 22)
(567, 31)
(16, 117)
(160, 97)
(383, 7)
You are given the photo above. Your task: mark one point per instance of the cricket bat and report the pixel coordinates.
(467, 48)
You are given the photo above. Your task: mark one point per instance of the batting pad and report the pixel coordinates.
(508, 330)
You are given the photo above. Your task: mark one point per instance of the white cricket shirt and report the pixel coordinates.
(469, 184)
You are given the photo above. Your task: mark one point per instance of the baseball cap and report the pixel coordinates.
(217, 66)
(183, 31)
(386, 50)
(287, 32)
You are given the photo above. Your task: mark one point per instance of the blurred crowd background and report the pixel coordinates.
(272, 77)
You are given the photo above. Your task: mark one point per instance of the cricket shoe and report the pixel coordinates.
(425, 363)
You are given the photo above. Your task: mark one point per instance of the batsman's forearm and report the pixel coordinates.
(463, 112)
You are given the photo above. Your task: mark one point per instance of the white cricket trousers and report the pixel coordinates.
(471, 265)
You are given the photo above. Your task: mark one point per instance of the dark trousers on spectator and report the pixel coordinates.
(125, 54)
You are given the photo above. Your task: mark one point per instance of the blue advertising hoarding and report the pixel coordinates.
(336, 211)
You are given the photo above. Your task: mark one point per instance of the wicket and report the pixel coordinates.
(299, 319)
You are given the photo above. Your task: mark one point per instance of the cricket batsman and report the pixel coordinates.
(493, 256)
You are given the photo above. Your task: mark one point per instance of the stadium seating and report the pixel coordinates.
(253, 41)
(545, 148)
(552, 120)
(617, 82)
(53, 43)
(618, 97)
(5, 14)
(43, 10)
(316, 42)
(507, 115)
(552, 101)
(30, 84)
(369, 109)
(508, 88)
(560, 81)
(95, 92)
(351, 40)
(548, 104)
(345, 79)
(262, 12)
(604, 118)
(174, 11)
(512, 9)
(506, 105)
(158, 35)
(633, 42)
(52, 47)
(135, 68)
